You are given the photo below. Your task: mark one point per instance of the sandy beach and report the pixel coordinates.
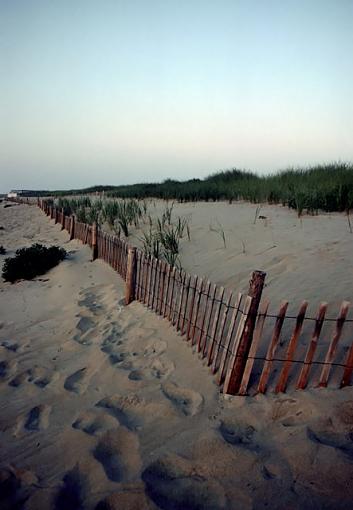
(104, 406)
(305, 258)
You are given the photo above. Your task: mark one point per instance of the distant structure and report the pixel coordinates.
(14, 193)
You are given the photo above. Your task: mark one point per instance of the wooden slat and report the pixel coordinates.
(162, 288)
(234, 351)
(171, 297)
(185, 305)
(283, 377)
(219, 338)
(114, 253)
(256, 285)
(217, 314)
(208, 322)
(174, 296)
(203, 317)
(254, 346)
(272, 348)
(180, 301)
(191, 307)
(333, 345)
(148, 270)
(86, 233)
(304, 373)
(152, 282)
(104, 245)
(137, 274)
(141, 275)
(226, 348)
(197, 307)
(156, 285)
(169, 270)
(118, 257)
(148, 278)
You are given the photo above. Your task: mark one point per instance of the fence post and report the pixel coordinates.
(62, 219)
(256, 285)
(94, 241)
(130, 276)
(72, 228)
(56, 214)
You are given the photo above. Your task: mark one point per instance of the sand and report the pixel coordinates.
(105, 406)
(308, 258)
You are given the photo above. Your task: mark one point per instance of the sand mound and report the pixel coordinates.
(172, 483)
(118, 451)
(187, 401)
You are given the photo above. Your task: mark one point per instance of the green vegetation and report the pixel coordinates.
(218, 229)
(119, 214)
(163, 237)
(328, 188)
(324, 187)
(30, 262)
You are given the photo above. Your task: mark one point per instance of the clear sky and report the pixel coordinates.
(112, 91)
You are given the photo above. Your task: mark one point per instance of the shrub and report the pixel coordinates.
(32, 261)
(2, 250)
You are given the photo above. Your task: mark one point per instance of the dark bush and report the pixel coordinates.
(30, 262)
(2, 250)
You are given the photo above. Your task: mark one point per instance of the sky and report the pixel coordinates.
(116, 92)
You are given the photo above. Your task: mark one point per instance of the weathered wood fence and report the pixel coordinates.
(248, 349)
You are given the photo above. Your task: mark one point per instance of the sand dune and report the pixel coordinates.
(104, 406)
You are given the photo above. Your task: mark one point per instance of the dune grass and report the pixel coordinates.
(325, 187)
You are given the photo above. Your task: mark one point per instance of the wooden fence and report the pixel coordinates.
(248, 349)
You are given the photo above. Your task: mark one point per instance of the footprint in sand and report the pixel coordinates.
(239, 434)
(19, 379)
(118, 452)
(7, 369)
(16, 485)
(78, 381)
(128, 498)
(172, 482)
(73, 492)
(11, 346)
(342, 442)
(132, 411)
(187, 401)
(37, 418)
(158, 369)
(95, 424)
(39, 376)
(111, 339)
(287, 411)
(86, 333)
(118, 357)
(90, 302)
